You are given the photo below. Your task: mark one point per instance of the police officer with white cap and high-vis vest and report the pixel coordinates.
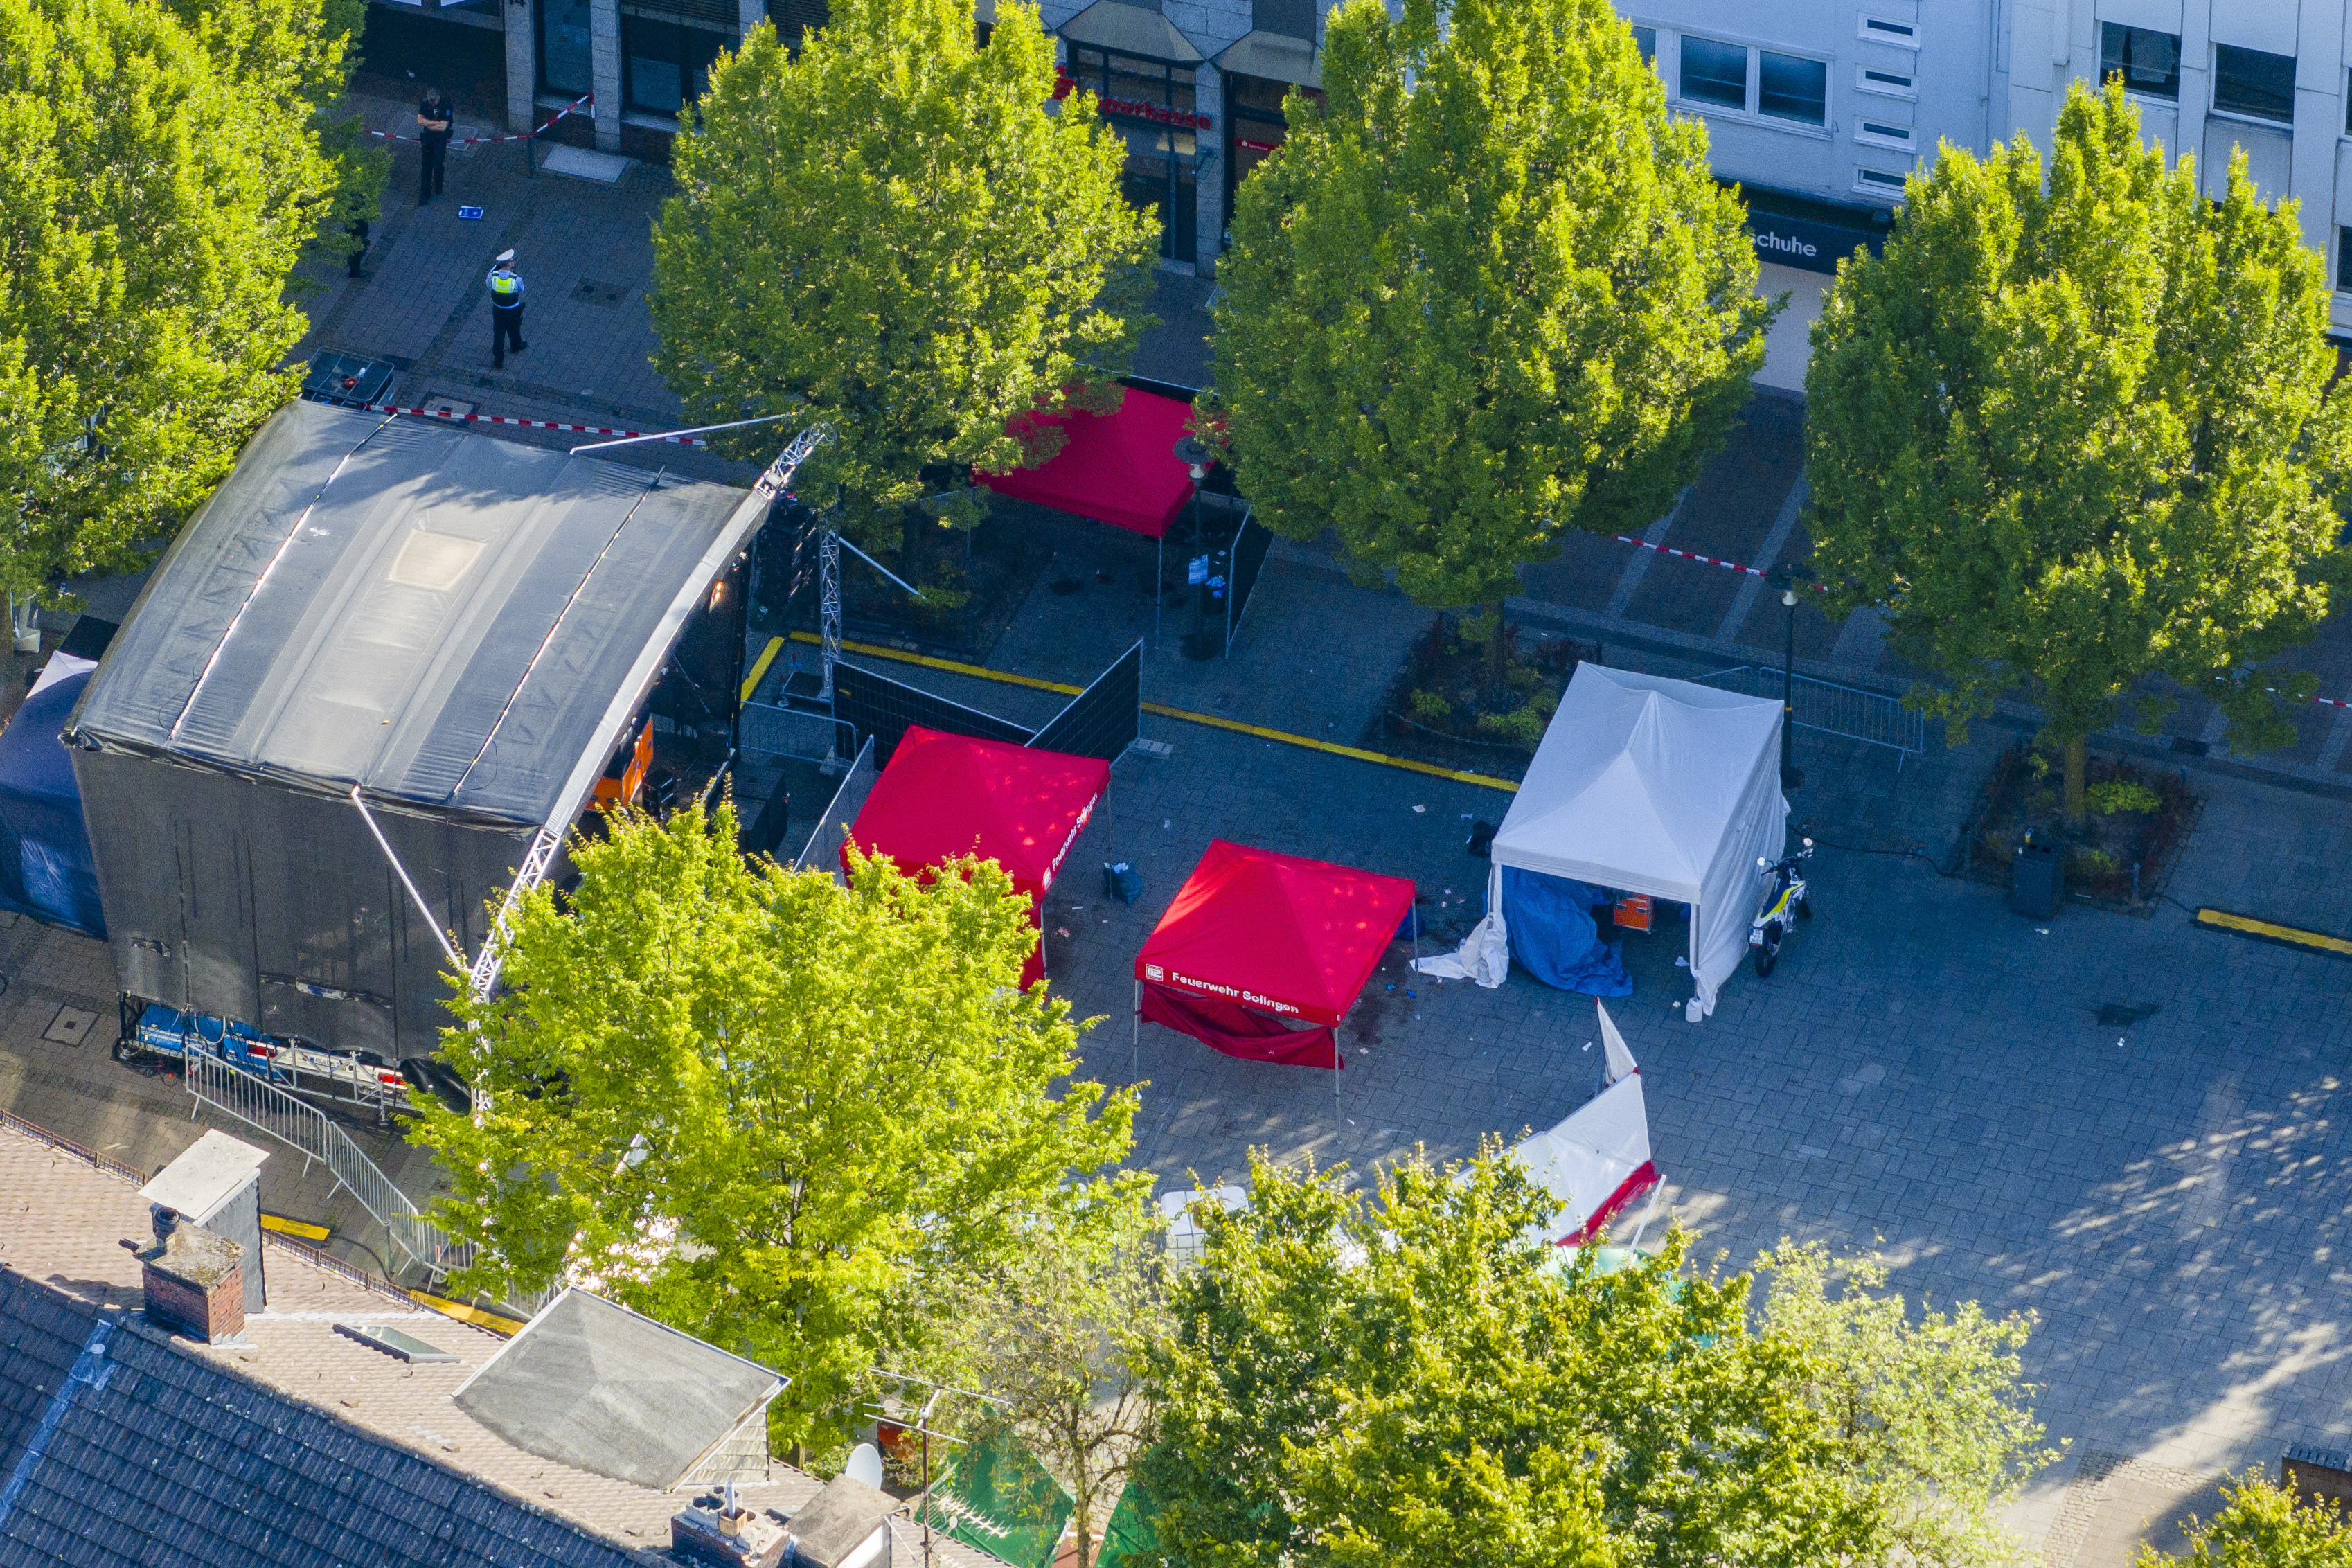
(506, 311)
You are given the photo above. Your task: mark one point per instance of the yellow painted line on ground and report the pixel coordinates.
(2246, 925)
(295, 1227)
(493, 1322)
(767, 657)
(1355, 753)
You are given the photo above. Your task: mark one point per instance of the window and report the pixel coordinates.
(1885, 30)
(563, 48)
(1715, 73)
(1789, 86)
(666, 55)
(1882, 134)
(796, 19)
(1887, 84)
(2253, 83)
(1646, 40)
(1290, 18)
(2149, 60)
(1878, 182)
(2343, 258)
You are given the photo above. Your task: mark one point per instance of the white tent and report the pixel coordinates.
(1597, 1161)
(1647, 786)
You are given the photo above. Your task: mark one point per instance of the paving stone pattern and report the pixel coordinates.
(1926, 1074)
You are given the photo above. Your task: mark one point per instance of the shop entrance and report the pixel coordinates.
(1151, 102)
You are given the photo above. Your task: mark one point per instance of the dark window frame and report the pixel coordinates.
(1684, 78)
(2126, 48)
(1819, 118)
(541, 16)
(2249, 99)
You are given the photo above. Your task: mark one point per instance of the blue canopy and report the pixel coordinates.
(45, 869)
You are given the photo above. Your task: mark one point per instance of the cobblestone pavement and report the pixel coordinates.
(1927, 1073)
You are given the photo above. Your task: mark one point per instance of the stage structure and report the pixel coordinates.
(369, 690)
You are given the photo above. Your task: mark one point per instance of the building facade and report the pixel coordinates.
(1820, 106)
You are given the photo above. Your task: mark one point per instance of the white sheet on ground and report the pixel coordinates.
(1485, 955)
(1658, 787)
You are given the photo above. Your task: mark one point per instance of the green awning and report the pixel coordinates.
(997, 1498)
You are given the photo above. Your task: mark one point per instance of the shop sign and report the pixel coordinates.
(1246, 146)
(1136, 109)
(1814, 247)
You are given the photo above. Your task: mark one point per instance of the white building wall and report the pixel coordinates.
(1986, 71)
(1903, 74)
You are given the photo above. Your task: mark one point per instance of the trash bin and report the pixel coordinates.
(2037, 881)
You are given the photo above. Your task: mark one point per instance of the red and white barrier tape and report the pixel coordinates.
(451, 414)
(1702, 559)
(517, 136)
(1817, 588)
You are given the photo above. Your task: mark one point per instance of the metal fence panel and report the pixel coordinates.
(1829, 709)
(1251, 541)
(882, 709)
(1105, 719)
(824, 844)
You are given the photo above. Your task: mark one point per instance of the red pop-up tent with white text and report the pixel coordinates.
(1262, 954)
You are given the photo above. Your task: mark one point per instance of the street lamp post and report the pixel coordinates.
(1791, 776)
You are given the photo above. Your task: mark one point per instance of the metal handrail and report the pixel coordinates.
(310, 1132)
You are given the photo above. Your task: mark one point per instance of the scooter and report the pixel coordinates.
(1785, 898)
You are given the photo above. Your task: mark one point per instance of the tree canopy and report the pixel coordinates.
(2075, 429)
(792, 1118)
(2263, 1525)
(1401, 1378)
(155, 195)
(1487, 293)
(895, 232)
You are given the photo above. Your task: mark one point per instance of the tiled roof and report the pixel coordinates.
(300, 1449)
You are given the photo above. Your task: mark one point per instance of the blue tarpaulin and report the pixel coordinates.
(45, 869)
(1553, 936)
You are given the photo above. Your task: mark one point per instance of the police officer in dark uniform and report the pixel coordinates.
(506, 311)
(434, 119)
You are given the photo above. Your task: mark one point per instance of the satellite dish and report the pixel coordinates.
(865, 1466)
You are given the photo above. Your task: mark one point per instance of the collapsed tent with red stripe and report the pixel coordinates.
(1118, 468)
(944, 795)
(1597, 1161)
(1262, 954)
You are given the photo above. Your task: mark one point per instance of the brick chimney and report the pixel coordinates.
(193, 1278)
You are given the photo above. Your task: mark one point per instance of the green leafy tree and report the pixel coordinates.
(1406, 1378)
(2262, 1525)
(1054, 1331)
(1929, 1419)
(894, 231)
(152, 204)
(786, 1116)
(1490, 294)
(2075, 429)
(295, 58)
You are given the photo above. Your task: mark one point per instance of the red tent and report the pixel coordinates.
(1255, 939)
(951, 794)
(1118, 468)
